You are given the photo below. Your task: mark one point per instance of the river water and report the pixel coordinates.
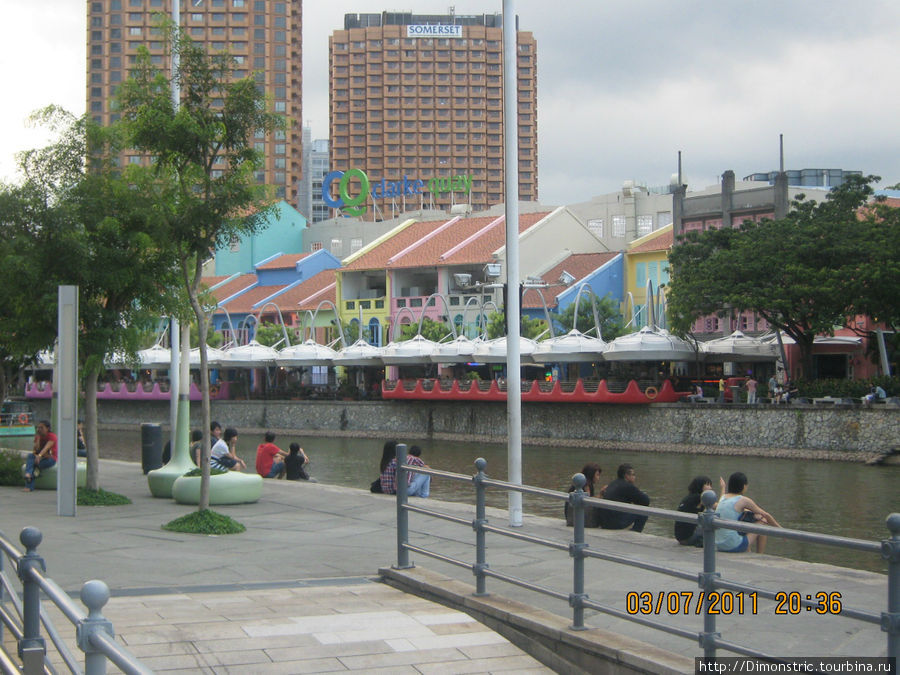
(841, 498)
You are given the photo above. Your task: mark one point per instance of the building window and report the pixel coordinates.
(618, 226)
(595, 225)
(640, 275)
(645, 225)
(316, 246)
(337, 246)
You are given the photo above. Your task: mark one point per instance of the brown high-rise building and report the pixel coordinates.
(416, 102)
(264, 36)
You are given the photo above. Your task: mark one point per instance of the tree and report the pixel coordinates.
(27, 295)
(431, 330)
(530, 328)
(76, 219)
(804, 274)
(269, 334)
(204, 161)
(611, 324)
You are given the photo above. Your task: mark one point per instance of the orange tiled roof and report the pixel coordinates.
(310, 293)
(283, 262)
(661, 243)
(243, 304)
(232, 287)
(431, 244)
(579, 265)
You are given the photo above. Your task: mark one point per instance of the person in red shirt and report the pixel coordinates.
(270, 458)
(44, 456)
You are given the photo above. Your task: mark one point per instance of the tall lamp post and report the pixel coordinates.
(511, 185)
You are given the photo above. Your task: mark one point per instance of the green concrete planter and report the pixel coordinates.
(226, 488)
(47, 479)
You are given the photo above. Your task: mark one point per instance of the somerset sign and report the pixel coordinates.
(433, 31)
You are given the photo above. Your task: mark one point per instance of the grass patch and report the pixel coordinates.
(205, 522)
(100, 498)
(10, 467)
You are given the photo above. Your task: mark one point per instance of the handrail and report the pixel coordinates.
(709, 580)
(93, 632)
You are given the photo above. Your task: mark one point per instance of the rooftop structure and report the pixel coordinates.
(263, 37)
(416, 102)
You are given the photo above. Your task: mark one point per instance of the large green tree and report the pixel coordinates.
(204, 163)
(76, 219)
(611, 324)
(805, 273)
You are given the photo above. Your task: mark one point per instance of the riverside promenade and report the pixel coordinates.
(298, 591)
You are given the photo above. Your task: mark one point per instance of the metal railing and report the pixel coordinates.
(23, 616)
(712, 585)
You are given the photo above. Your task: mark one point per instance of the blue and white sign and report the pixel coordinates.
(434, 30)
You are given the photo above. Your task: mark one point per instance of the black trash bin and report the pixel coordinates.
(151, 447)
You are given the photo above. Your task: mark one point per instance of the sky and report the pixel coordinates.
(622, 86)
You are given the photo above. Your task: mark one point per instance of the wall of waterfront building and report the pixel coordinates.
(844, 430)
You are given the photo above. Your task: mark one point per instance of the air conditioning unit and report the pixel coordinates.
(492, 270)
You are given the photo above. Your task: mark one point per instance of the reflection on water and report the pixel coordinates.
(841, 498)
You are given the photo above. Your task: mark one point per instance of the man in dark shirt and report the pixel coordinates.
(624, 490)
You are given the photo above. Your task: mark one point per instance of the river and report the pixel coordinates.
(842, 498)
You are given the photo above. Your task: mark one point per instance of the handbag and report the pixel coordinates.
(376, 486)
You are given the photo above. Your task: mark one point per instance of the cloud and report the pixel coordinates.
(622, 86)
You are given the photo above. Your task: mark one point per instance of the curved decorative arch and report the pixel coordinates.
(446, 307)
(593, 296)
(337, 318)
(525, 289)
(287, 340)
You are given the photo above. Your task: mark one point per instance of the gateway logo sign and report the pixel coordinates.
(385, 189)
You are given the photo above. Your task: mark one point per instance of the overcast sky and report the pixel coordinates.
(622, 86)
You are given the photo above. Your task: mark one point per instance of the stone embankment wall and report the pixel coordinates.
(838, 433)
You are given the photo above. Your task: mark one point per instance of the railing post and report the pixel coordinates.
(478, 525)
(31, 647)
(94, 595)
(2, 594)
(709, 574)
(890, 620)
(576, 551)
(402, 514)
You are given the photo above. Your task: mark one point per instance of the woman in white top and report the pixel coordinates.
(733, 505)
(224, 453)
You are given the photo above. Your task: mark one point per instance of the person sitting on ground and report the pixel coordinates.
(623, 489)
(389, 472)
(294, 463)
(696, 393)
(388, 452)
(591, 471)
(419, 483)
(790, 392)
(270, 458)
(224, 453)
(45, 454)
(876, 393)
(689, 534)
(215, 433)
(733, 505)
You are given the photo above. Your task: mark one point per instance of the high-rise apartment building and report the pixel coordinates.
(264, 37)
(416, 103)
(315, 165)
